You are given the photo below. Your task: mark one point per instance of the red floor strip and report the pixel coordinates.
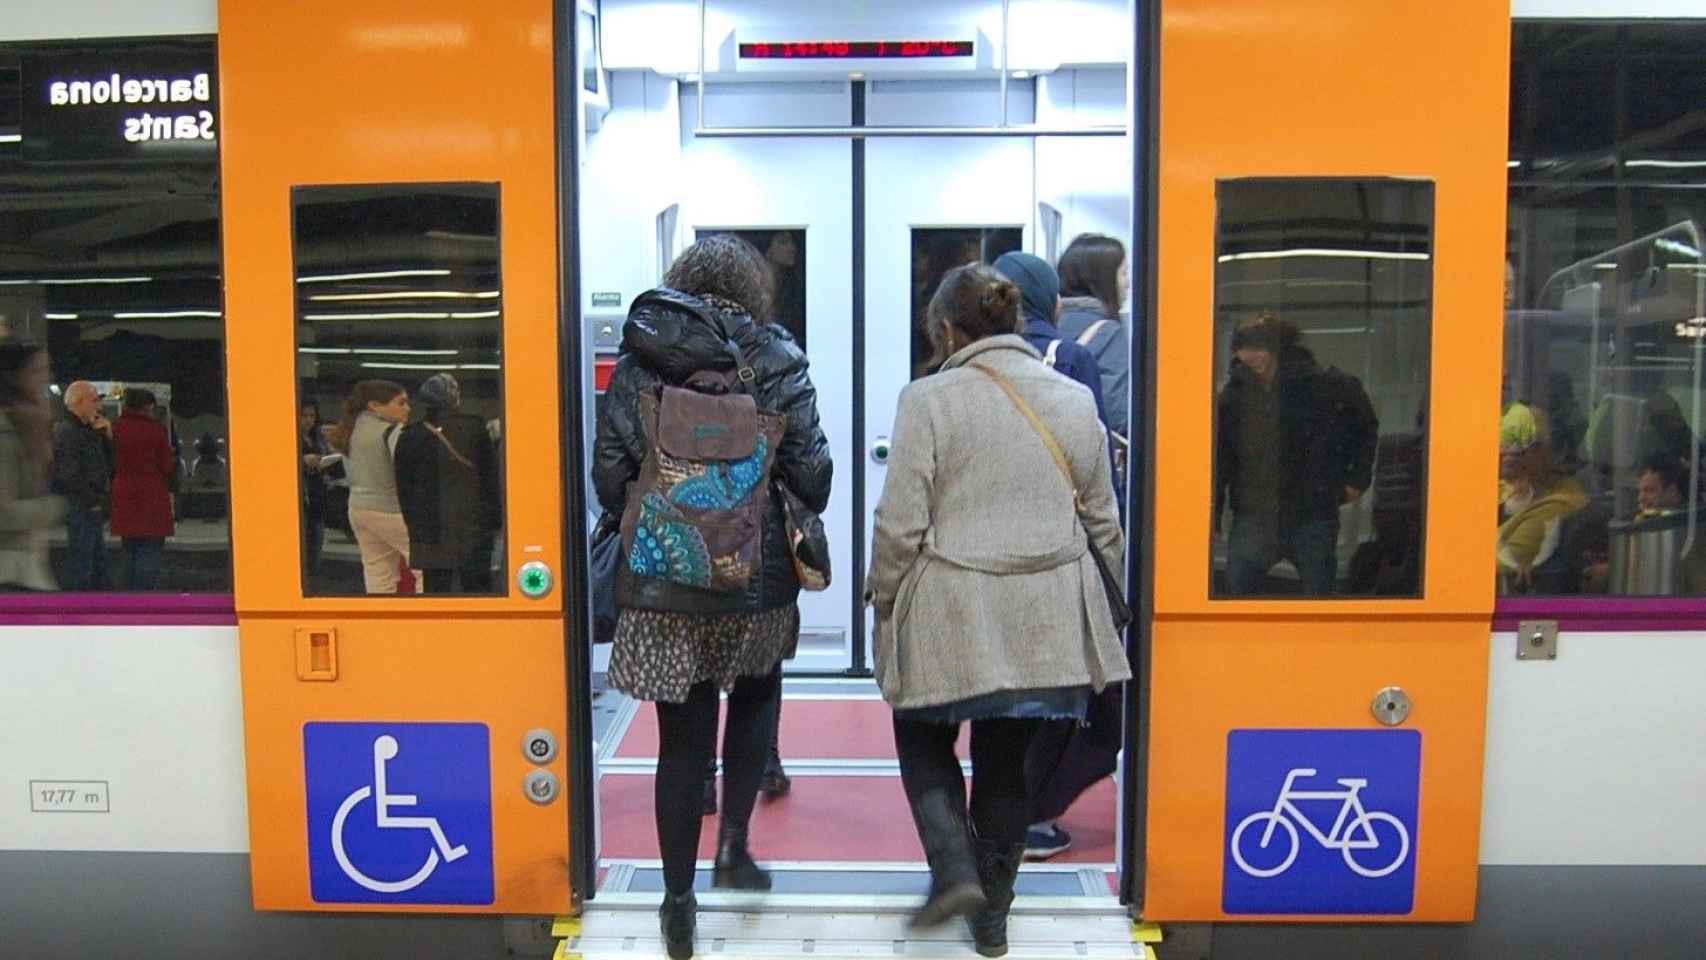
(820, 729)
(857, 819)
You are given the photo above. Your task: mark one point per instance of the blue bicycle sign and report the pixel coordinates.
(1321, 821)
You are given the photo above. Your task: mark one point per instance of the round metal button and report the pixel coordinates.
(541, 786)
(1391, 706)
(539, 746)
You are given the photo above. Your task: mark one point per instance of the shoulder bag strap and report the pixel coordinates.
(1037, 424)
(1090, 333)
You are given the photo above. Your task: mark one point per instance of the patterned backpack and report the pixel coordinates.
(695, 515)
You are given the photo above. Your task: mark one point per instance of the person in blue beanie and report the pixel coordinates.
(1039, 288)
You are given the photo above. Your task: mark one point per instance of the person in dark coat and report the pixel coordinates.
(448, 486)
(314, 452)
(142, 489)
(1065, 757)
(83, 475)
(679, 660)
(1294, 441)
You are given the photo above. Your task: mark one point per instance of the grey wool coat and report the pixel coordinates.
(980, 570)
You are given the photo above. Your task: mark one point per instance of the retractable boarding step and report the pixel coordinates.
(736, 926)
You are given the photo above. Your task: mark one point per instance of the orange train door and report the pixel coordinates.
(391, 187)
(1329, 216)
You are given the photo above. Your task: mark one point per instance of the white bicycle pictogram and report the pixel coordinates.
(384, 750)
(1353, 829)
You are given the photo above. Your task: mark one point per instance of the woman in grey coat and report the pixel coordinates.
(27, 510)
(989, 605)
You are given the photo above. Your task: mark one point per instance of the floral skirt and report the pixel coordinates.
(660, 656)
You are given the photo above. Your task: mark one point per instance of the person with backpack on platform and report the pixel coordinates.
(706, 411)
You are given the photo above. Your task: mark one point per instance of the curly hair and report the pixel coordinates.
(725, 266)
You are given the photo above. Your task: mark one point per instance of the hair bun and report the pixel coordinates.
(999, 298)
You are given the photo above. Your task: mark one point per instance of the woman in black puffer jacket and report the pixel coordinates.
(680, 660)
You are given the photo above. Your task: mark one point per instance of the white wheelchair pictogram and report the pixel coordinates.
(1352, 833)
(385, 749)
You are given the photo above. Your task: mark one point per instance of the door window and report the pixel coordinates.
(399, 319)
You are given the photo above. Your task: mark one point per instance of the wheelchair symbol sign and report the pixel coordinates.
(399, 812)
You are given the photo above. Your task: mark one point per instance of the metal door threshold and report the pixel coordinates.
(852, 929)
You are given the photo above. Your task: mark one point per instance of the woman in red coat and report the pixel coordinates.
(142, 488)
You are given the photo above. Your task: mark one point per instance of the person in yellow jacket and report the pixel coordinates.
(1534, 499)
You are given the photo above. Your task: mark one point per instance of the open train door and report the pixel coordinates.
(1328, 195)
(391, 183)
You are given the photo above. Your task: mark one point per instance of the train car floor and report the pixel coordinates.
(844, 830)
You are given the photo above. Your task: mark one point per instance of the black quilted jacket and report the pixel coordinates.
(668, 337)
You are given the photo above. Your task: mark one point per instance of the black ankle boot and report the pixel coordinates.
(775, 783)
(677, 918)
(954, 886)
(734, 867)
(997, 869)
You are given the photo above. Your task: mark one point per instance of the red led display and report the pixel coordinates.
(857, 50)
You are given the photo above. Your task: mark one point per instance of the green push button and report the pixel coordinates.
(534, 578)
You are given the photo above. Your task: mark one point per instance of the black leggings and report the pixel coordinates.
(999, 804)
(687, 739)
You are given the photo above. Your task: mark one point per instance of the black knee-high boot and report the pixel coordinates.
(997, 869)
(954, 886)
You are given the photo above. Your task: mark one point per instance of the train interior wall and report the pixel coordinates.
(1591, 839)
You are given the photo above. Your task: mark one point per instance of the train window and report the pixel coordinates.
(785, 252)
(935, 251)
(111, 264)
(1605, 313)
(399, 319)
(1323, 312)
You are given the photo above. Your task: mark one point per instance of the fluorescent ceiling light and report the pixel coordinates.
(1666, 164)
(376, 316)
(1320, 252)
(481, 366)
(1512, 164)
(322, 350)
(376, 275)
(166, 314)
(411, 295)
(76, 280)
(399, 352)
(481, 315)
(11, 138)
(408, 366)
(60, 316)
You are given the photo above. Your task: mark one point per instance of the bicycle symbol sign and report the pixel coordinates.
(1295, 846)
(362, 849)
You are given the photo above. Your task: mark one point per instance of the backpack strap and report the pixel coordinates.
(1090, 332)
(1053, 353)
(744, 374)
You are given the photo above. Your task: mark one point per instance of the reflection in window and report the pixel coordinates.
(399, 327)
(1605, 312)
(1323, 309)
(784, 252)
(935, 251)
(110, 259)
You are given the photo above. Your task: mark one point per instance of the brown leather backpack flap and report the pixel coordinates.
(699, 426)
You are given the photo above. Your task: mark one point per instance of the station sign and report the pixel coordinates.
(120, 101)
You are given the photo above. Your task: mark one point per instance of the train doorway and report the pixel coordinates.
(861, 181)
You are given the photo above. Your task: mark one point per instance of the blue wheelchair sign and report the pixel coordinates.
(1321, 821)
(399, 812)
